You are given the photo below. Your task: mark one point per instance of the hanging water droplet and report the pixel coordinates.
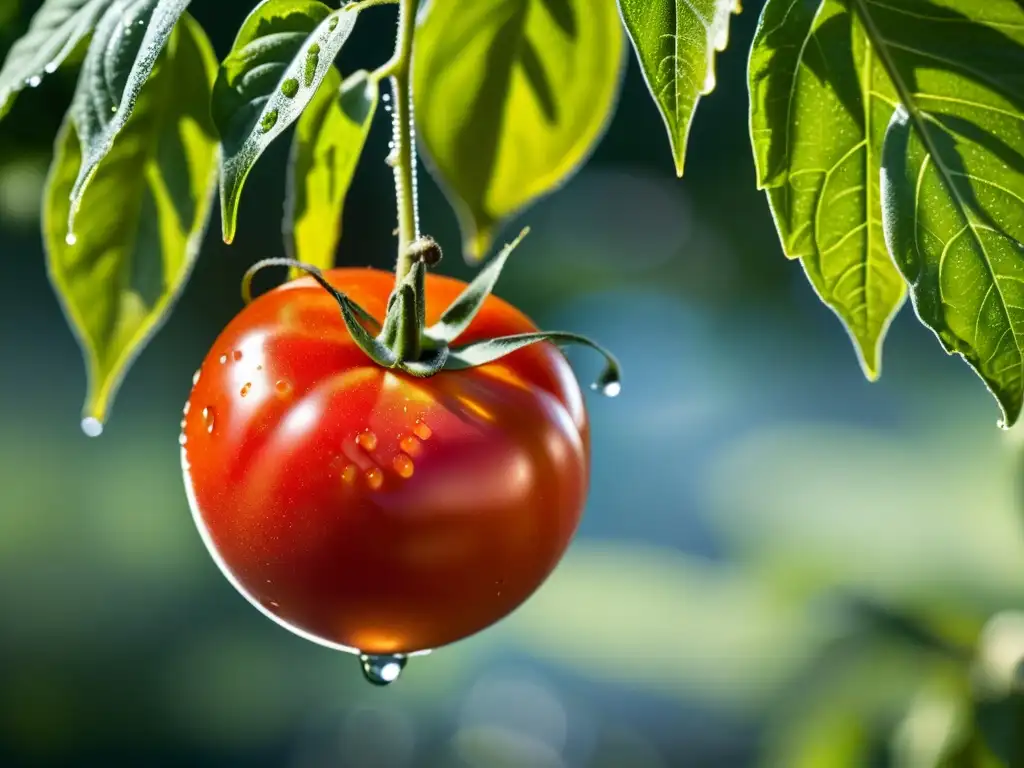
(382, 670)
(290, 87)
(709, 81)
(269, 120)
(34, 81)
(92, 427)
(608, 388)
(70, 238)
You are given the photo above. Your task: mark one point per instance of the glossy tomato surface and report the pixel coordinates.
(373, 510)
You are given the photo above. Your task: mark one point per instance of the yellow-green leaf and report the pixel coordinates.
(676, 42)
(511, 97)
(329, 138)
(820, 101)
(141, 219)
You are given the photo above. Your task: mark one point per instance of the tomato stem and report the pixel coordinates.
(399, 69)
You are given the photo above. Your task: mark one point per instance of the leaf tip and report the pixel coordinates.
(476, 245)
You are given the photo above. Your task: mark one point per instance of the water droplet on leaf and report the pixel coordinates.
(51, 67)
(182, 439)
(92, 427)
(34, 81)
(269, 120)
(70, 239)
(382, 670)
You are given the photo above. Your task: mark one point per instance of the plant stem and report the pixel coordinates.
(404, 150)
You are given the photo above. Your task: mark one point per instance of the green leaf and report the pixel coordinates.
(676, 42)
(124, 49)
(142, 217)
(953, 176)
(511, 97)
(820, 101)
(329, 139)
(281, 55)
(57, 27)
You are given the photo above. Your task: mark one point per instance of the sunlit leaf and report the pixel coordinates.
(329, 138)
(953, 176)
(676, 42)
(57, 27)
(511, 97)
(123, 51)
(279, 58)
(820, 101)
(141, 219)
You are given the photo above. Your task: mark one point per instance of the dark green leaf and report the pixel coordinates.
(953, 176)
(329, 139)
(676, 42)
(511, 97)
(141, 219)
(820, 101)
(124, 49)
(279, 58)
(57, 27)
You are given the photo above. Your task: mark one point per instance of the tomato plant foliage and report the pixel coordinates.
(888, 136)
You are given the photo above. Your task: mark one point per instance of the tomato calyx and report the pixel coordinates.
(404, 342)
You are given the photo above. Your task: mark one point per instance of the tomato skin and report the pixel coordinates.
(368, 509)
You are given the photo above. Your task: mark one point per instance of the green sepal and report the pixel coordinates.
(609, 383)
(461, 312)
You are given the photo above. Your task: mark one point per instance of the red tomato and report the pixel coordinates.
(369, 509)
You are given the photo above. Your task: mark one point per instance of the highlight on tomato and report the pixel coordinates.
(381, 476)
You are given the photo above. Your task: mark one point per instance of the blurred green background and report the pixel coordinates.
(780, 564)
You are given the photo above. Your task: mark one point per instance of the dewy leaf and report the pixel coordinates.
(142, 217)
(329, 139)
(279, 58)
(57, 27)
(676, 42)
(820, 101)
(511, 97)
(953, 175)
(122, 54)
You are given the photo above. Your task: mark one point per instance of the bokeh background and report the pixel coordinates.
(780, 564)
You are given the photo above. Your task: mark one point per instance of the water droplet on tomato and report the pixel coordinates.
(283, 387)
(421, 430)
(236, 355)
(182, 439)
(367, 440)
(245, 388)
(410, 444)
(374, 478)
(187, 408)
(208, 417)
(271, 605)
(92, 427)
(222, 359)
(348, 474)
(382, 670)
(195, 377)
(70, 239)
(403, 466)
(182, 425)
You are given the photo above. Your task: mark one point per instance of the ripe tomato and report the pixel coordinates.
(368, 509)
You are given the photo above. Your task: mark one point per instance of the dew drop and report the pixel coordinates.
(387, 107)
(223, 359)
(403, 466)
(385, 97)
(182, 439)
(245, 388)
(283, 388)
(92, 427)
(195, 377)
(348, 474)
(421, 430)
(290, 87)
(709, 81)
(608, 389)
(208, 418)
(113, 108)
(70, 238)
(51, 67)
(236, 355)
(375, 478)
(34, 81)
(382, 670)
(269, 120)
(367, 440)
(410, 444)
(392, 158)
(187, 408)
